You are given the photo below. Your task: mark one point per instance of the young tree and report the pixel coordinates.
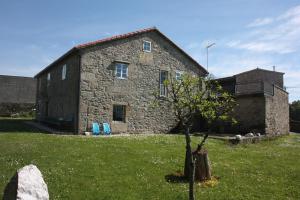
(191, 97)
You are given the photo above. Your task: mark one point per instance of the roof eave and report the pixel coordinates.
(56, 61)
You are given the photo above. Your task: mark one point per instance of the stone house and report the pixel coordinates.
(262, 101)
(17, 94)
(113, 80)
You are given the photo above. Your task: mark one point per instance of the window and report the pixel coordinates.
(48, 79)
(147, 46)
(178, 75)
(162, 88)
(64, 72)
(119, 113)
(121, 70)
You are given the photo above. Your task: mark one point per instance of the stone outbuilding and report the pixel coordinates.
(17, 95)
(113, 80)
(262, 101)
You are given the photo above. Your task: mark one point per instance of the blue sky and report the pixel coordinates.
(248, 34)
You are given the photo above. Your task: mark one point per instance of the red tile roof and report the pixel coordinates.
(117, 37)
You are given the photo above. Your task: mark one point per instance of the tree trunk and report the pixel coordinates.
(202, 165)
(189, 166)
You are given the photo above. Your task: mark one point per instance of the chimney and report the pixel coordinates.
(274, 68)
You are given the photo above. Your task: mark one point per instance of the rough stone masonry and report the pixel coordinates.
(92, 89)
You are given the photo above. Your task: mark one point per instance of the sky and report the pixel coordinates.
(248, 34)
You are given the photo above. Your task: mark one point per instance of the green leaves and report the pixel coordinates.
(194, 95)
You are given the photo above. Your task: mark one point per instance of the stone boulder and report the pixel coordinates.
(249, 135)
(257, 134)
(27, 184)
(238, 137)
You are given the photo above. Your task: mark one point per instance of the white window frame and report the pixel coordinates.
(122, 74)
(162, 88)
(48, 78)
(64, 72)
(146, 50)
(178, 78)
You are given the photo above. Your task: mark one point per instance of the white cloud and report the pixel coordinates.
(280, 47)
(233, 43)
(282, 37)
(260, 22)
(273, 42)
(228, 65)
(192, 45)
(294, 11)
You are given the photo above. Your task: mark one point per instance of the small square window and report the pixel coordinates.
(147, 46)
(64, 72)
(119, 113)
(178, 75)
(121, 70)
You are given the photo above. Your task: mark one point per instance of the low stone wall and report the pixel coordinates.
(16, 109)
(254, 139)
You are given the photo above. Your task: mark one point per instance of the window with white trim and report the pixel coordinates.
(178, 75)
(147, 46)
(48, 79)
(121, 70)
(64, 72)
(119, 113)
(163, 75)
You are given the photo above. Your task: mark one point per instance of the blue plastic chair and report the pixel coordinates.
(106, 129)
(96, 128)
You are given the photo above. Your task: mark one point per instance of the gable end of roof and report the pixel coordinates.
(119, 37)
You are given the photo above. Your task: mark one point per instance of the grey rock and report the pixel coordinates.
(238, 137)
(249, 135)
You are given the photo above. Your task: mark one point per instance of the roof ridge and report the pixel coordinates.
(121, 36)
(114, 37)
(261, 69)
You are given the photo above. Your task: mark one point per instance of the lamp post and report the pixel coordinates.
(207, 47)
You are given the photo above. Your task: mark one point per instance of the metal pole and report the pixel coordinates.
(207, 47)
(207, 58)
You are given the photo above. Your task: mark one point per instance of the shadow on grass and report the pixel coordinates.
(177, 177)
(10, 191)
(9, 125)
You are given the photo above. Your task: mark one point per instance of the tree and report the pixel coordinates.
(295, 110)
(191, 97)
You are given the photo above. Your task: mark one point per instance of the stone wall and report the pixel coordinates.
(277, 112)
(59, 99)
(14, 89)
(17, 95)
(258, 75)
(100, 89)
(250, 113)
(17, 109)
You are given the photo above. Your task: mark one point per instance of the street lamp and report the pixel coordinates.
(207, 47)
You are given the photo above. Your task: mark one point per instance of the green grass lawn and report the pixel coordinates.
(134, 167)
